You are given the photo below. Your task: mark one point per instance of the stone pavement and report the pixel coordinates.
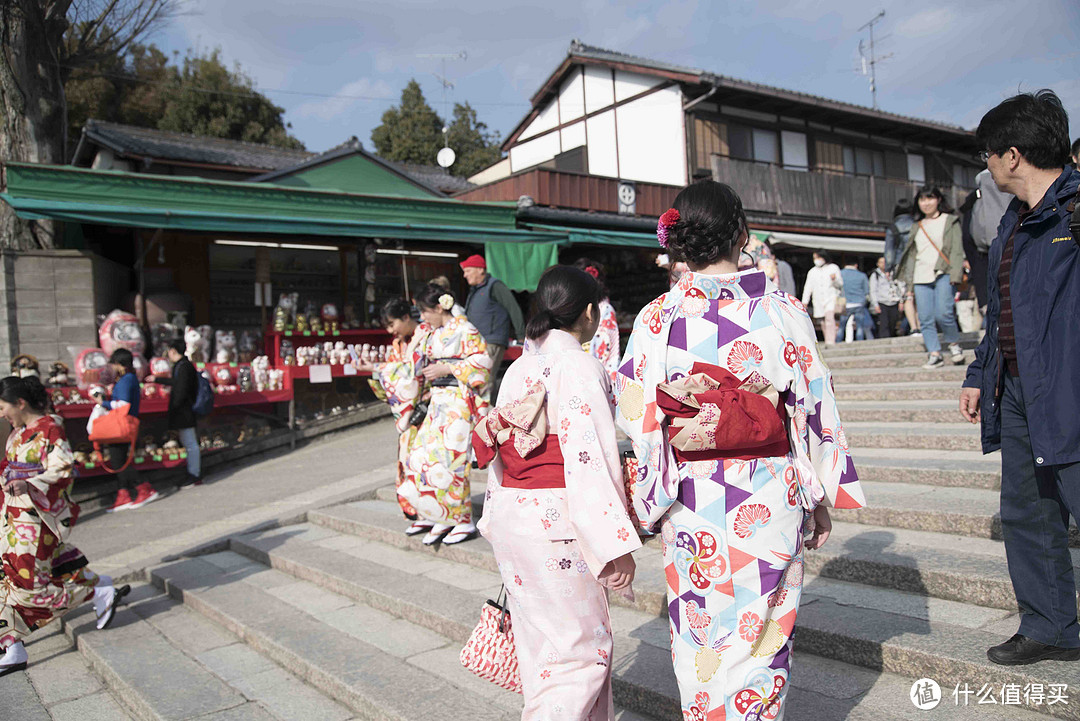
(287, 590)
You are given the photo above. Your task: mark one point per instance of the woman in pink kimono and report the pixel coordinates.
(740, 452)
(604, 345)
(455, 366)
(555, 511)
(397, 382)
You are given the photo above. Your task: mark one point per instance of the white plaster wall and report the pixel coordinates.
(572, 97)
(599, 92)
(534, 152)
(652, 146)
(546, 120)
(602, 160)
(630, 84)
(573, 136)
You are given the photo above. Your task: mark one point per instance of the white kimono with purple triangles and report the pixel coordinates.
(732, 529)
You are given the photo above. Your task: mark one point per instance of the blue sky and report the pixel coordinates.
(951, 61)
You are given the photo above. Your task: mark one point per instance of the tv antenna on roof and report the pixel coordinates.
(446, 156)
(874, 59)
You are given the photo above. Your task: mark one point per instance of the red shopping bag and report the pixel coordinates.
(116, 427)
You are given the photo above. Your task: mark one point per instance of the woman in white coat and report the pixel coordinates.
(824, 287)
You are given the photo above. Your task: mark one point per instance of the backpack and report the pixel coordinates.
(990, 205)
(204, 396)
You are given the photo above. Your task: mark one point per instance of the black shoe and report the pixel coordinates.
(1021, 651)
(12, 668)
(190, 481)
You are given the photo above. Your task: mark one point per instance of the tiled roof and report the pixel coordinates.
(433, 176)
(579, 49)
(166, 145)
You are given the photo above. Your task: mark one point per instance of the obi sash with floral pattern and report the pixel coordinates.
(711, 414)
(20, 471)
(517, 433)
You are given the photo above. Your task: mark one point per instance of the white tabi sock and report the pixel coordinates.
(16, 654)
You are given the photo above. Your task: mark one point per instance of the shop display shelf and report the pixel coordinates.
(336, 371)
(147, 463)
(157, 406)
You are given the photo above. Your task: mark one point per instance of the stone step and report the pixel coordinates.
(897, 360)
(432, 589)
(957, 511)
(928, 390)
(970, 469)
(165, 662)
(362, 658)
(930, 411)
(878, 346)
(922, 436)
(58, 684)
(875, 376)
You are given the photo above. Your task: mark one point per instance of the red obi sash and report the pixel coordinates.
(542, 469)
(713, 415)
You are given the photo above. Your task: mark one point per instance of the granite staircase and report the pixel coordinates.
(343, 616)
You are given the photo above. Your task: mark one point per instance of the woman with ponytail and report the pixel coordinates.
(740, 452)
(452, 363)
(555, 512)
(604, 346)
(43, 577)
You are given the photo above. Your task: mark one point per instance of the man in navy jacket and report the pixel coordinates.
(1025, 382)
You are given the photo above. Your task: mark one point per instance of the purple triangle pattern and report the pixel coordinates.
(677, 334)
(628, 367)
(726, 331)
(770, 577)
(780, 660)
(734, 497)
(687, 496)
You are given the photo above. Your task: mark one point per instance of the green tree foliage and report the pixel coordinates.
(410, 132)
(475, 146)
(198, 95)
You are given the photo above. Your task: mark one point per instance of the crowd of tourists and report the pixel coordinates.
(738, 449)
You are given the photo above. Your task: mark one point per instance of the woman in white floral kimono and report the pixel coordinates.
(604, 345)
(555, 511)
(455, 366)
(397, 382)
(740, 452)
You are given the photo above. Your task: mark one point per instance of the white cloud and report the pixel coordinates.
(928, 22)
(362, 90)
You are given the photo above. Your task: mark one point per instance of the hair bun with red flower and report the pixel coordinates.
(667, 221)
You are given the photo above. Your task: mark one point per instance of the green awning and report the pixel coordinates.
(153, 201)
(520, 265)
(616, 237)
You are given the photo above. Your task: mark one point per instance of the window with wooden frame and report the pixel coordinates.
(710, 138)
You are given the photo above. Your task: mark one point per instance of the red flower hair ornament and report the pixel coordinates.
(593, 272)
(667, 222)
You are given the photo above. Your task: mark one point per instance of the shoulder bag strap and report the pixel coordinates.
(931, 241)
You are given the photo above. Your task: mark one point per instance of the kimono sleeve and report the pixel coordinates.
(594, 488)
(57, 461)
(822, 459)
(638, 416)
(473, 370)
(606, 341)
(399, 382)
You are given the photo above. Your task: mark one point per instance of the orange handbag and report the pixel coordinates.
(116, 427)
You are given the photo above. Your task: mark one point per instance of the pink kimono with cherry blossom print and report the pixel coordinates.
(732, 529)
(552, 544)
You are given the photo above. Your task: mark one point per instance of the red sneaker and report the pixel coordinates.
(146, 494)
(123, 501)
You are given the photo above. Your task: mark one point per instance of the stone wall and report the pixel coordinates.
(49, 300)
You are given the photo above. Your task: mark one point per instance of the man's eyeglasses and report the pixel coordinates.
(984, 155)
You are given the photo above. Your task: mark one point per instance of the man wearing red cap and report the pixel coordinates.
(492, 308)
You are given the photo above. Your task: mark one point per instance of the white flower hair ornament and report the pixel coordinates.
(446, 301)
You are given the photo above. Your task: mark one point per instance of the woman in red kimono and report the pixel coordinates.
(43, 577)
(555, 512)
